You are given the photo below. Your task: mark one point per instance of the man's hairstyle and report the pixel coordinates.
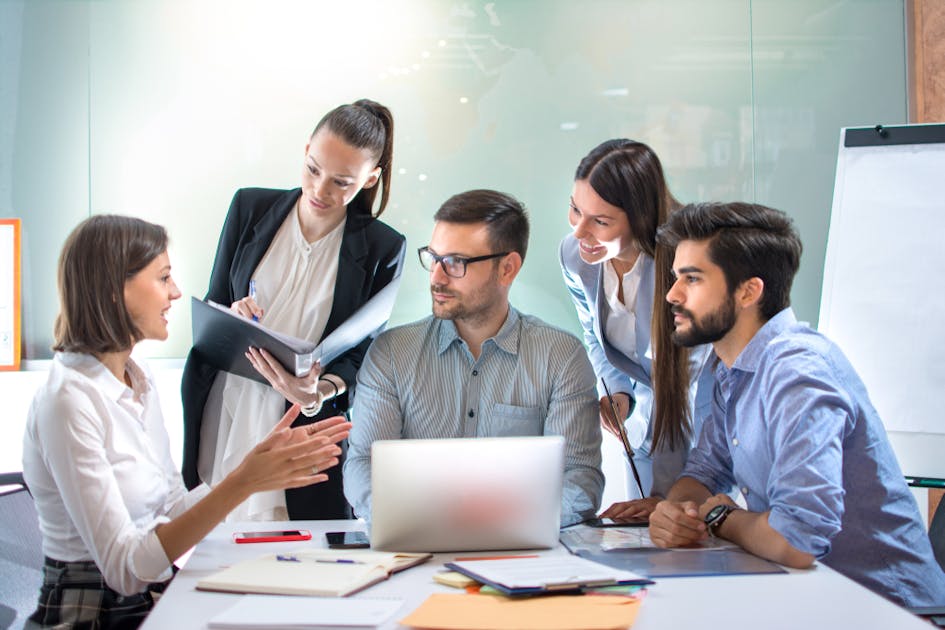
(505, 217)
(99, 256)
(746, 241)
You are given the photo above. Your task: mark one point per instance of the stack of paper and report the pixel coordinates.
(299, 613)
(447, 611)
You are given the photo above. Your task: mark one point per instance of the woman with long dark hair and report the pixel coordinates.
(618, 278)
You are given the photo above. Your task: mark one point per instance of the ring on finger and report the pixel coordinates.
(314, 470)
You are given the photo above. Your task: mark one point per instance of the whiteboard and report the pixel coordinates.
(883, 297)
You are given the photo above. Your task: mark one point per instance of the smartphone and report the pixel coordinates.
(347, 540)
(273, 536)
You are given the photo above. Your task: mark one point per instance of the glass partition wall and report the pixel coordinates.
(162, 109)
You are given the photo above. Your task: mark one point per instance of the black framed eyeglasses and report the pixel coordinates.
(453, 266)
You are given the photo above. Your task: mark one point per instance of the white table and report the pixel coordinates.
(798, 600)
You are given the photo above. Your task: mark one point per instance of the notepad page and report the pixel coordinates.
(298, 613)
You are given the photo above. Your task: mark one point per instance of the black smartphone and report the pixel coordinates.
(347, 540)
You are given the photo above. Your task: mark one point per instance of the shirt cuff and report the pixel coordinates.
(798, 533)
(151, 563)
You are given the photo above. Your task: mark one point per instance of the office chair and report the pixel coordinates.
(937, 533)
(21, 553)
(935, 614)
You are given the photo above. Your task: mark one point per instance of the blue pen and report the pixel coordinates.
(252, 294)
(282, 558)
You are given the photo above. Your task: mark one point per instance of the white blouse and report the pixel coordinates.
(295, 283)
(620, 327)
(97, 460)
(620, 330)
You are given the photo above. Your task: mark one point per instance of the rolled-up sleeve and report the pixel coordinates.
(710, 462)
(805, 487)
(375, 415)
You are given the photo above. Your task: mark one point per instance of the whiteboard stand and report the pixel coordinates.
(883, 300)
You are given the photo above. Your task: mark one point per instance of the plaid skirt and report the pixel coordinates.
(74, 595)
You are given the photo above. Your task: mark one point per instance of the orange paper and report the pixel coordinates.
(491, 612)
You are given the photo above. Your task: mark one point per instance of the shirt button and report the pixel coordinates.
(745, 492)
(475, 372)
(471, 413)
(734, 441)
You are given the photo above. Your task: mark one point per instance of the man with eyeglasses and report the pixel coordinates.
(478, 367)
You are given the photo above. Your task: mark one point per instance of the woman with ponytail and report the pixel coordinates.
(300, 262)
(618, 278)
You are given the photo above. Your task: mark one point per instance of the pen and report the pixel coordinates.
(252, 294)
(282, 558)
(468, 558)
(623, 437)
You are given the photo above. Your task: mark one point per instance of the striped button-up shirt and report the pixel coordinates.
(421, 381)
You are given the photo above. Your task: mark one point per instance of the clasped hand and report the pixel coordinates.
(681, 523)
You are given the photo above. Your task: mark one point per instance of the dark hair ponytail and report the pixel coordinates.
(365, 124)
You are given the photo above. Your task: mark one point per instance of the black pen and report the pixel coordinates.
(623, 437)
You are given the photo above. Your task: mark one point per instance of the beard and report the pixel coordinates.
(709, 329)
(470, 307)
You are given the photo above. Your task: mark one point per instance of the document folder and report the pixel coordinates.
(222, 337)
(544, 574)
(632, 550)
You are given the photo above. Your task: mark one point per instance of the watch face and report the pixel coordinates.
(715, 512)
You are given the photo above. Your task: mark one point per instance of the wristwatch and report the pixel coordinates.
(717, 516)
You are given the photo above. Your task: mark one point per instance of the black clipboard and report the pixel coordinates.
(222, 337)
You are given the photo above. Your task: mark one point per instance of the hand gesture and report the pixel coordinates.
(293, 457)
(301, 390)
(676, 524)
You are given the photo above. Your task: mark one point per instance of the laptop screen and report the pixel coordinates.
(466, 494)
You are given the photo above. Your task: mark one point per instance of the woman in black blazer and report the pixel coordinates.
(314, 254)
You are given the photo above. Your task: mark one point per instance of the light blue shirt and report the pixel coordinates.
(421, 381)
(793, 427)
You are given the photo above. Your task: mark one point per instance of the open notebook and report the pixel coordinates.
(320, 572)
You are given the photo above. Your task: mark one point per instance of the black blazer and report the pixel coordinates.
(371, 256)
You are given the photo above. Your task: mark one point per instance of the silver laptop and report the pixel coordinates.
(466, 494)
